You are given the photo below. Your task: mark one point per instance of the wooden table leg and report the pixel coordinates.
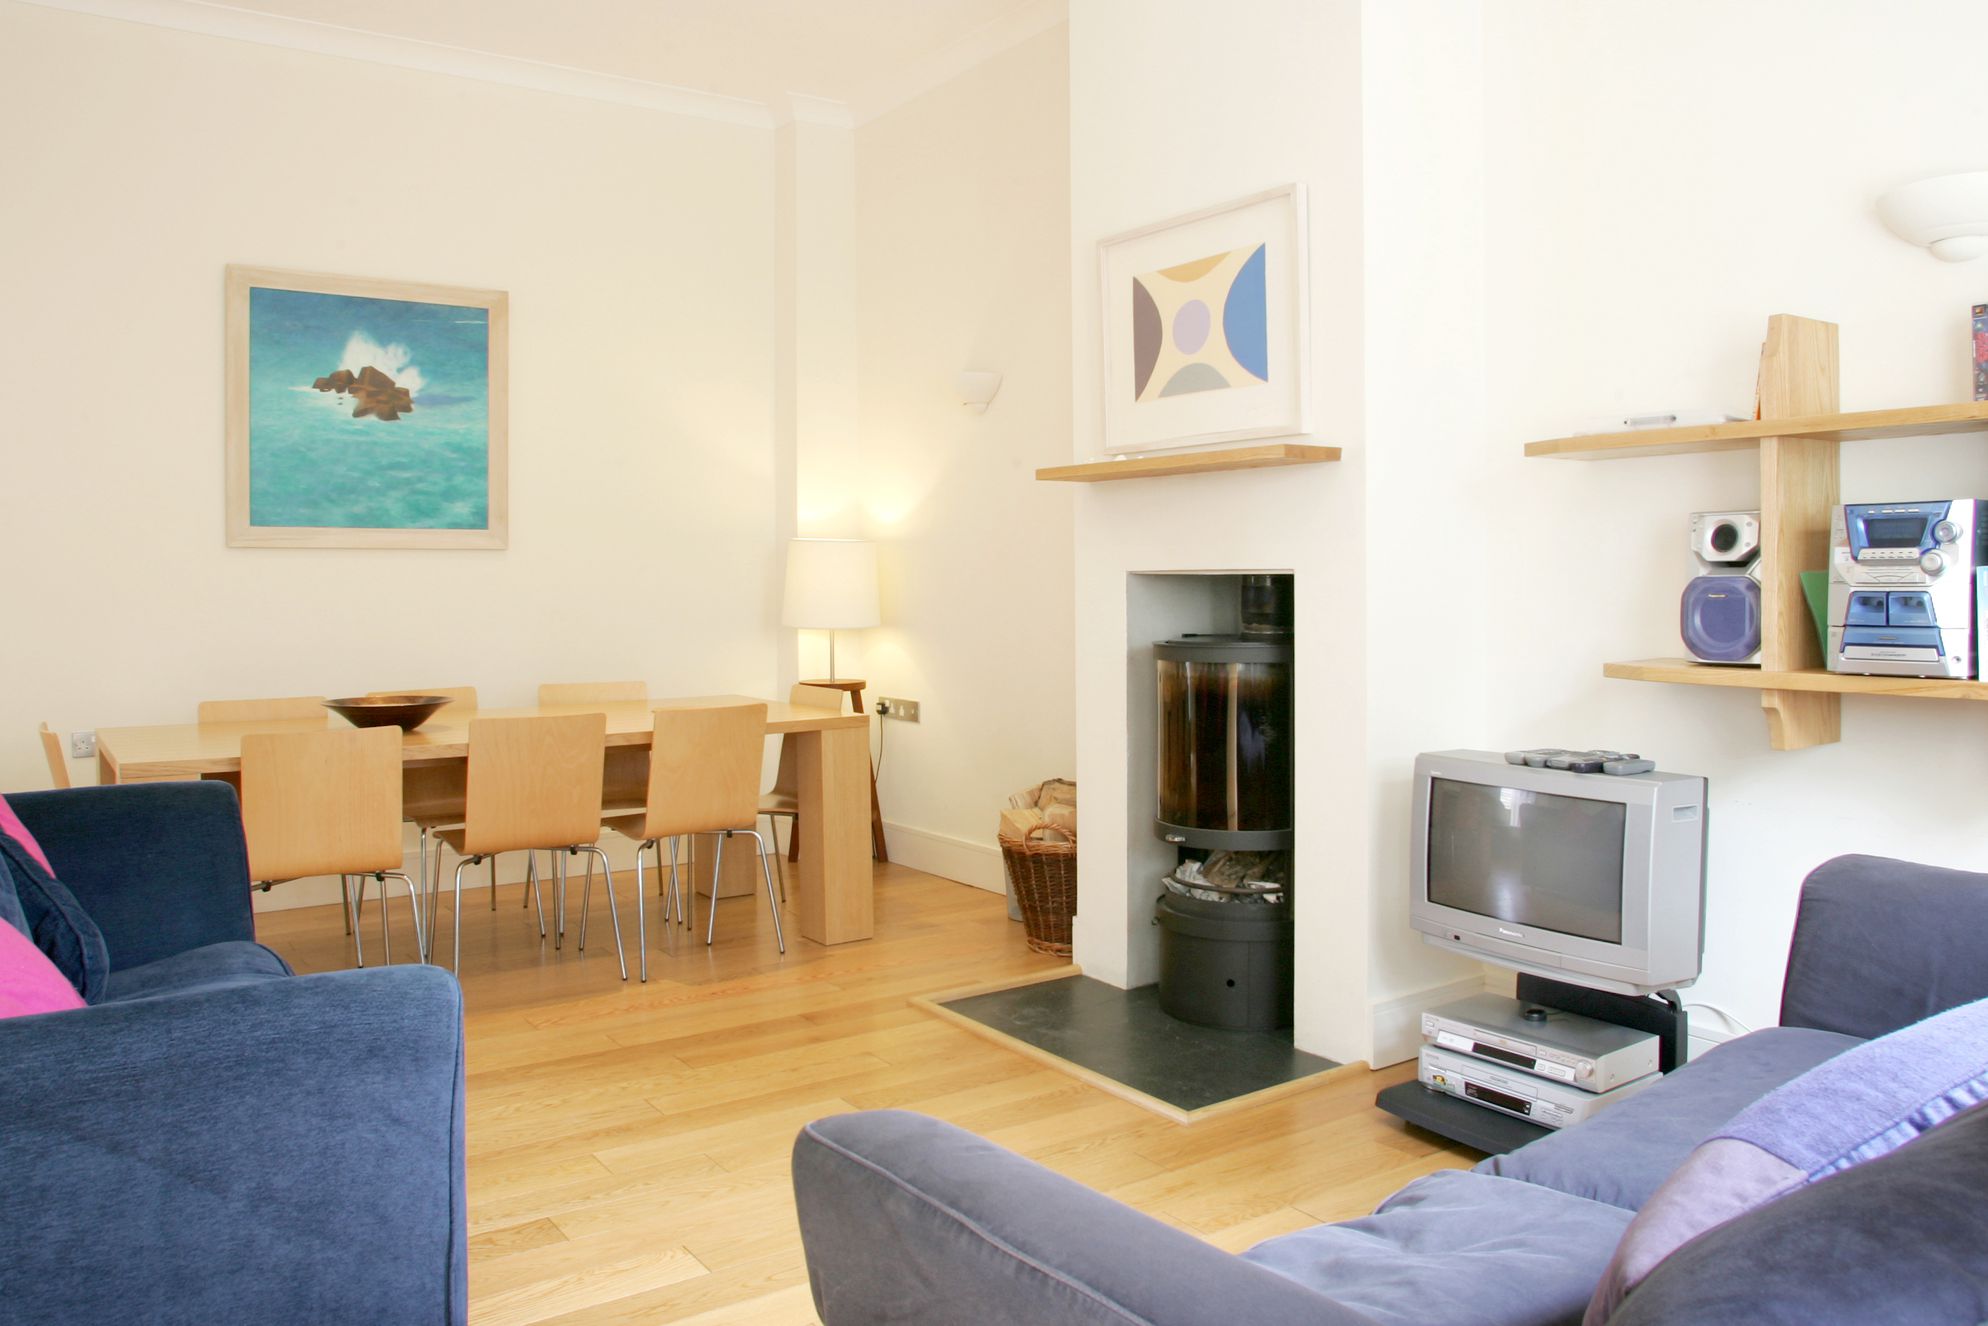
(836, 902)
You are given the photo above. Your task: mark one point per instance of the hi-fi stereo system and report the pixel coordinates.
(1543, 1065)
(1903, 592)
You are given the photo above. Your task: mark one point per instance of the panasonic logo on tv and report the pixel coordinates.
(1510, 933)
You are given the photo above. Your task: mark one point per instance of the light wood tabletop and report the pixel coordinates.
(835, 903)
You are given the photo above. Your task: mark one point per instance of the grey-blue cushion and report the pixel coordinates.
(1623, 1153)
(1864, 1103)
(213, 967)
(1458, 1246)
(57, 922)
(1901, 1240)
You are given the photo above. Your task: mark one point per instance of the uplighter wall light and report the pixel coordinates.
(976, 390)
(1947, 214)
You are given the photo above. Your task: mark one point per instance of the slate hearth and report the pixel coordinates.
(1123, 1035)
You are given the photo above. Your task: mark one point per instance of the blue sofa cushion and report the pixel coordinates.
(1901, 1240)
(213, 967)
(1622, 1154)
(10, 902)
(57, 922)
(1864, 1103)
(1458, 1246)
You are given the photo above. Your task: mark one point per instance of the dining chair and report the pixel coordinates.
(251, 711)
(703, 778)
(435, 800)
(328, 803)
(623, 790)
(783, 800)
(51, 749)
(534, 784)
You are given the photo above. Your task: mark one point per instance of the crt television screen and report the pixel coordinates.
(1530, 858)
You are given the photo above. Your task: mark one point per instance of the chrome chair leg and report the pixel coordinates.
(386, 917)
(460, 867)
(641, 916)
(558, 899)
(352, 921)
(613, 913)
(532, 889)
(717, 873)
(493, 883)
(779, 862)
(767, 874)
(686, 898)
(413, 906)
(586, 898)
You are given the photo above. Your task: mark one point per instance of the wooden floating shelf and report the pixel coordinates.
(1196, 462)
(1918, 421)
(1682, 671)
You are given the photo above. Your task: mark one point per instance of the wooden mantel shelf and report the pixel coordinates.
(1191, 462)
(1918, 421)
(1685, 672)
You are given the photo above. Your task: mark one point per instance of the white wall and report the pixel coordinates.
(962, 261)
(1171, 112)
(635, 246)
(1661, 179)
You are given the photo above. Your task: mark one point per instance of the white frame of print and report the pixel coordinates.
(1285, 410)
(241, 534)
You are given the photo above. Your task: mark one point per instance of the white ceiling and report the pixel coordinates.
(861, 53)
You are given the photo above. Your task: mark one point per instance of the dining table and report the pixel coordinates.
(834, 903)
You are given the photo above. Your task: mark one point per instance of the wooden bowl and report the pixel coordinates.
(404, 711)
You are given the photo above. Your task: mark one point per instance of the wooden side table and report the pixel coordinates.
(854, 687)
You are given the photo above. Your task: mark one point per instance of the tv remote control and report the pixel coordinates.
(1616, 763)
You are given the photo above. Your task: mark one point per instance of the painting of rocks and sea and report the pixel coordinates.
(367, 414)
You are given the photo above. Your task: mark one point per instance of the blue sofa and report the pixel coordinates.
(909, 1220)
(215, 1140)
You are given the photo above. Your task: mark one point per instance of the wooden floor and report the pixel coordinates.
(628, 1144)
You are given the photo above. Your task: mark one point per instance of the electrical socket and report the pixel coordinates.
(903, 710)
(83, 745)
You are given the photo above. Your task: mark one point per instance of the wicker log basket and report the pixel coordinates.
(1044, 876)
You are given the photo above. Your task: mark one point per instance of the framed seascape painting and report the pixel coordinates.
(364, 413)
(1206, 327)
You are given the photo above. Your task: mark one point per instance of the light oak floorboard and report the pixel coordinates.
(628, 1143)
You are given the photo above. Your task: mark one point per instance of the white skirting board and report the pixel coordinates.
(1397, 1024)
(962, 859)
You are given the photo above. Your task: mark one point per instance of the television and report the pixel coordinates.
(1591, 879)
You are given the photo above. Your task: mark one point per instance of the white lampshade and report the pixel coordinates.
(831, 584)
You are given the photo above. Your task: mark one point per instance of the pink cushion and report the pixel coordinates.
(29, 982)
(10, 824)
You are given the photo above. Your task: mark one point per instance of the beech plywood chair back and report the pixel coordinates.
(321, 803)
(592, 692)
(51, 749)
(534, 782)
(704, 767)
(255, 711)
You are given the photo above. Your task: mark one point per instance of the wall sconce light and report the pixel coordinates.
(1947, 214)
(977, 389)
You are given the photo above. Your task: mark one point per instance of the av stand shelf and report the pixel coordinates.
(1494, 1133)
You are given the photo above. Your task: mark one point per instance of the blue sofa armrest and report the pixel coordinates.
(287, 1151)
(1880, 944)
(909, 1220)
(160, 867)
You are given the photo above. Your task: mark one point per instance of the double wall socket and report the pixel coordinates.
(890, 706)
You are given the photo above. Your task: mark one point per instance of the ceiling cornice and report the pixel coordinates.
(227, 21)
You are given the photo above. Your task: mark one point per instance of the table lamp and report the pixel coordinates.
(831, 585)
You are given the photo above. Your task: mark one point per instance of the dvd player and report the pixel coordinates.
(1538, 1100)
(1566, 1047)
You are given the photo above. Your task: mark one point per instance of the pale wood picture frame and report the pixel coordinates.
(307, 357)
(1185, 388)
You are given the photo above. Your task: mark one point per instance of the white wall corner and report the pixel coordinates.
(1397, 1023)
(800, 108)
(950, 61)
